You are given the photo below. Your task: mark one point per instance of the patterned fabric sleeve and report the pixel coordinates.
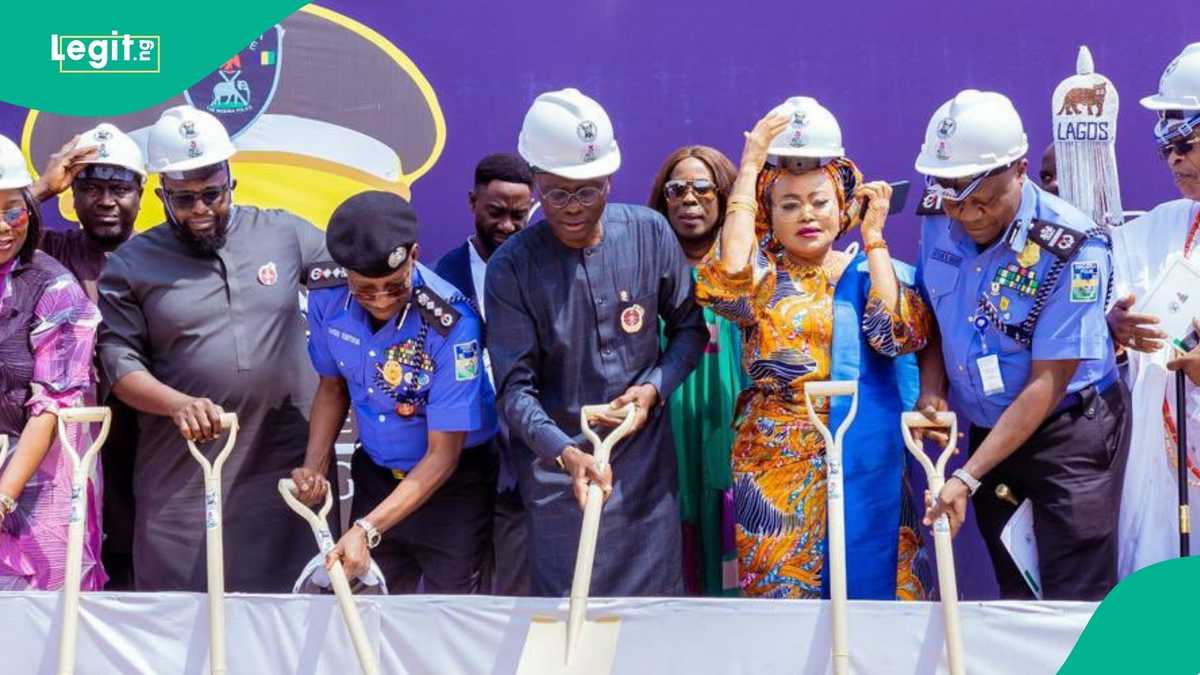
(737, 296)
(63, 341)
(895, 333)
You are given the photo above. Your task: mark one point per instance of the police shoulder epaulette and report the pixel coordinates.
(435, 310)
(324, 275)
(930, 204)
(1059, 240)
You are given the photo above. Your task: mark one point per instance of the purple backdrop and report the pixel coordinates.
(674, 72)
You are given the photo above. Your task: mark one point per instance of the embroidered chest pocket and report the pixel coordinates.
(941, 276)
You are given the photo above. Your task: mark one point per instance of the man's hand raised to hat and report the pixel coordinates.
(1134, 331)
(583, 470)
(758, 141)
(61, 169)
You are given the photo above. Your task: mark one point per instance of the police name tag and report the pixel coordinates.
(989, 374)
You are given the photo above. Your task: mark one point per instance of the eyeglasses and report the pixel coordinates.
(16, 217)
(389, 291)
(186, 201)
(1182, 147)
(948, 188)
(586, 196)
(675, 190)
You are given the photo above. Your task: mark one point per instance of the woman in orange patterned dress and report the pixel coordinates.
(811, 313)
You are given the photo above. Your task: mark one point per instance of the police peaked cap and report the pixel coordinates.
(372, 233)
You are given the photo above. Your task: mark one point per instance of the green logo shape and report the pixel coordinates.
(1145, 625)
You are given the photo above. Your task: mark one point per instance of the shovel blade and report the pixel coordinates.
(545, 651)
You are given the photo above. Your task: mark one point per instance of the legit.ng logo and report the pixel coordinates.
(115, 53)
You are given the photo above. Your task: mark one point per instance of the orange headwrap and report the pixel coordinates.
(846, 178)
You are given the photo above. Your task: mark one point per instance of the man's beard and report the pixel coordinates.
(204, 245)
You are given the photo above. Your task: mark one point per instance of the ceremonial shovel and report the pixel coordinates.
(81, 468)
(214, 544)
(337, 576)
(835, 509)
(580, 647)
(947, 583)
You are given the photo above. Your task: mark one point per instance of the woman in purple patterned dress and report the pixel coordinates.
(47, 334)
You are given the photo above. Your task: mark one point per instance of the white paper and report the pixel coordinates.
(989, 374)
(1175, 300)
(1018, 538)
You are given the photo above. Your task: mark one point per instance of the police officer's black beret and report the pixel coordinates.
(372, 233)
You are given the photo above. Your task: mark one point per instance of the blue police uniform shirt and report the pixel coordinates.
(460, 398)
(971, 291)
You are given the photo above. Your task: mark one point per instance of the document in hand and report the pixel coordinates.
(1175, 300)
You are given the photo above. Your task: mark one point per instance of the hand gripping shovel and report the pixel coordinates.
(584, 647)
(81, 468)
(214, 544)
(337, 576)
(936, 474)
(835, 508)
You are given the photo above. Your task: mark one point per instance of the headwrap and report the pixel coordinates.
(846, 178)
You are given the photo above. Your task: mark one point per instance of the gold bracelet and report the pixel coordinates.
(878, 243)
(752, 209)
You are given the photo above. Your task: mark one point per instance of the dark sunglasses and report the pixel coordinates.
(1183, 147)
(186, 201)
(701, 187)
(958, 189)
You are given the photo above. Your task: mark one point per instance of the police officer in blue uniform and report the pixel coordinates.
(403, 348)
(1018, 281)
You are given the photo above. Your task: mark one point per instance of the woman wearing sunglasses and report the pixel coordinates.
(1143, 249)
(690, 190)
(47, 333)
(775, 272)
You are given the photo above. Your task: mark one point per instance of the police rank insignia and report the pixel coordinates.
(1061, 241)
(1085, 281)
(631, 318)
(466, 360)
(1021, 279)
(435, 310)
(1030, 255)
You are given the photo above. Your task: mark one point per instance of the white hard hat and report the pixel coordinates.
(113, 147)
(974, 132)
(14, 173)
(568, 134)
(1179, 87)
(185, 138)
(812, 132)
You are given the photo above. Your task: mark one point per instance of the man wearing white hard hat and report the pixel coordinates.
(105, 170)
(573, 305)
(201, 316)
(1145, 248)
(1018, 281)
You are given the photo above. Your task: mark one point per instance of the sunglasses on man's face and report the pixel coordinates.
(186, 201)
(701, 187)
(958, 189)
(1183, 147)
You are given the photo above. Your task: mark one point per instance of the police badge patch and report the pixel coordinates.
(466, 360)
(241, 89)
(1085, 281)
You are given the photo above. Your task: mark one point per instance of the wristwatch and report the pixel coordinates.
(967, 479)
(373, 536)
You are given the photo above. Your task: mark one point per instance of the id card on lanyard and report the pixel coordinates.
(988, 364)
